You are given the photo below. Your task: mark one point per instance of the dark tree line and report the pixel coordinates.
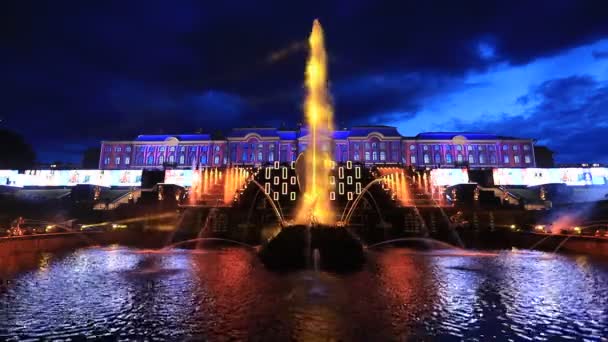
(15, 152)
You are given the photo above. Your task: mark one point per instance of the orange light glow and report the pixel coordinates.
(319, 117)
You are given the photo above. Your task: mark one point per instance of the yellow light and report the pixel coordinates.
(319, 117)
(513, 226)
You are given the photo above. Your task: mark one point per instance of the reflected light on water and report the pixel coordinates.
(226, 293)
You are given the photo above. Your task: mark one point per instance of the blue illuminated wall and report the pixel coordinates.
(371, 145)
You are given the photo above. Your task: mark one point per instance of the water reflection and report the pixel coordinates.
(227, 294)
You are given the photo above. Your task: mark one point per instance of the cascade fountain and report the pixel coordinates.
(303, 244)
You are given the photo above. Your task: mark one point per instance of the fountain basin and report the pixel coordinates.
(293, 247)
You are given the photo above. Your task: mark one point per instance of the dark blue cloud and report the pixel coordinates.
(79, 73)
(570, 116)
(599, 54)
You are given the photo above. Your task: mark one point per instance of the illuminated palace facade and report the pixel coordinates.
(369, 145)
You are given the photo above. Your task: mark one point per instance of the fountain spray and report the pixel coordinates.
(319, 118)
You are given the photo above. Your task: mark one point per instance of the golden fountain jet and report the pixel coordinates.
(315, 206)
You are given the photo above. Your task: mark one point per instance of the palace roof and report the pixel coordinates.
(180, 137)
(467, 135)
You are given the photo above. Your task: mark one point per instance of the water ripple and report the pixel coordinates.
(227, 294)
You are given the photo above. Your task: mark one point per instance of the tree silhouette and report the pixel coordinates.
(90, 158)
(15, 152)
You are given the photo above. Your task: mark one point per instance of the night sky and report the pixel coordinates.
(75, 73)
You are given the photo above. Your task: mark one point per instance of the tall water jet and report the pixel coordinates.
(295, 246)
(315, 206)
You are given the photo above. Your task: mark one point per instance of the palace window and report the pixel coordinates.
(217, 148)
(128, 148)
(162, 149)
(459, 158)
(516, 159)
(375, 155)
(526, 147)
(412, 147)
(471, 159)
(260, 156)
(244, 157)
(480, 147)
(458, 147)
(367, 146)
(492, 158)
(437, 158)
(382, 145)
(482, 159)
(204, 159)
(436, 147)
(448, 158)
(356, 156)
(447, 147)
(172, 149)
(109, 149)
(127, 160)
(505, 158)
(271, 156)
(117, 161)
(106, 161)
(527, 159)
(161, 160)
(427, 159)
(470, 147)
(216, 160)
(182, 148)
(425, 147)
(505, 147)
(515, 147)
(118, 149)
(182, 159)
(382, 155)
(413, 159)
(150, 160)
(366, 155)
